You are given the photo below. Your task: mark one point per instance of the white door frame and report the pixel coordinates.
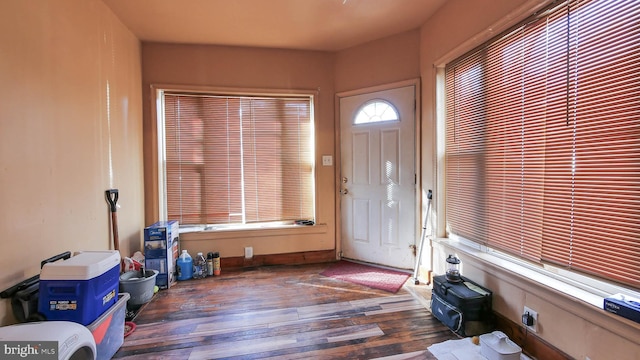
(417, 157)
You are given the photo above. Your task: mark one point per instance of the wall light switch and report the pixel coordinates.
(327, 160)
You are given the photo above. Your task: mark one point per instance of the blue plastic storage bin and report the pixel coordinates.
(108, 329)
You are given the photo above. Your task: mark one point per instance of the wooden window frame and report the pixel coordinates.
(248, 96)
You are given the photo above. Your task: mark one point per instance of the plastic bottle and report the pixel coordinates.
(216, 263)
(185, 266)
(210, 264)
(199, 267)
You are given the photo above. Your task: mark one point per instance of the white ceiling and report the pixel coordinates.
(327, 25)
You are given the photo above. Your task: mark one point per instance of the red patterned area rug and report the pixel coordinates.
(371, 276)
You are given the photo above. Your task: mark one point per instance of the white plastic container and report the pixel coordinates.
(498, 346)
(70, 340)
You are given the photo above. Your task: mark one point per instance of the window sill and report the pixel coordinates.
(227, 232)
(582, 300)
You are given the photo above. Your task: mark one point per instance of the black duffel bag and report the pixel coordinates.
(464, 307)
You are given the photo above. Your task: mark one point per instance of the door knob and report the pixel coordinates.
(345, 192)
(344, 179)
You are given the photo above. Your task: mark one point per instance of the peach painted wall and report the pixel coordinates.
(580, 329)
(70, 128)
(249, 68)
(384, 61)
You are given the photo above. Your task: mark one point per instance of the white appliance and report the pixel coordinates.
(75, 341)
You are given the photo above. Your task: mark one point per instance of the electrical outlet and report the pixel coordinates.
(248, 252)
(532, 316)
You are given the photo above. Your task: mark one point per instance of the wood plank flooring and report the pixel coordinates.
(282, 312)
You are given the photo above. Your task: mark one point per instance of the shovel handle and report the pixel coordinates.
(114, 224)
(112, 198)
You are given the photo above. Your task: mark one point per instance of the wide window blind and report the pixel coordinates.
(234, 159)
(543, 139)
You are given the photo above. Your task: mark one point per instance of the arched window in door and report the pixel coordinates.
(376, 111)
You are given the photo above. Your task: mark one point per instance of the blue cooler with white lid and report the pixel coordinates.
(81, 288)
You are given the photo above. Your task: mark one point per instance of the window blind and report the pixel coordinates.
(543, 139)
(233, 159)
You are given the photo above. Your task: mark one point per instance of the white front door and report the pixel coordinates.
(378, 200)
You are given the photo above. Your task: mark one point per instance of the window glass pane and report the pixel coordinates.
(376, 111)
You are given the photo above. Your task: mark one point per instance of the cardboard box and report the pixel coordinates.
(623, 305)
(108, 329)
(161, 251)
(81, 288)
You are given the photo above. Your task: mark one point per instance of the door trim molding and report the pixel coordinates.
(376, 88)
(417, 151)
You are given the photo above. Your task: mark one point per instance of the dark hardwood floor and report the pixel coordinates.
(283, 312)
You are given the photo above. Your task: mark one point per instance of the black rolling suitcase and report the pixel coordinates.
(465, 307)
